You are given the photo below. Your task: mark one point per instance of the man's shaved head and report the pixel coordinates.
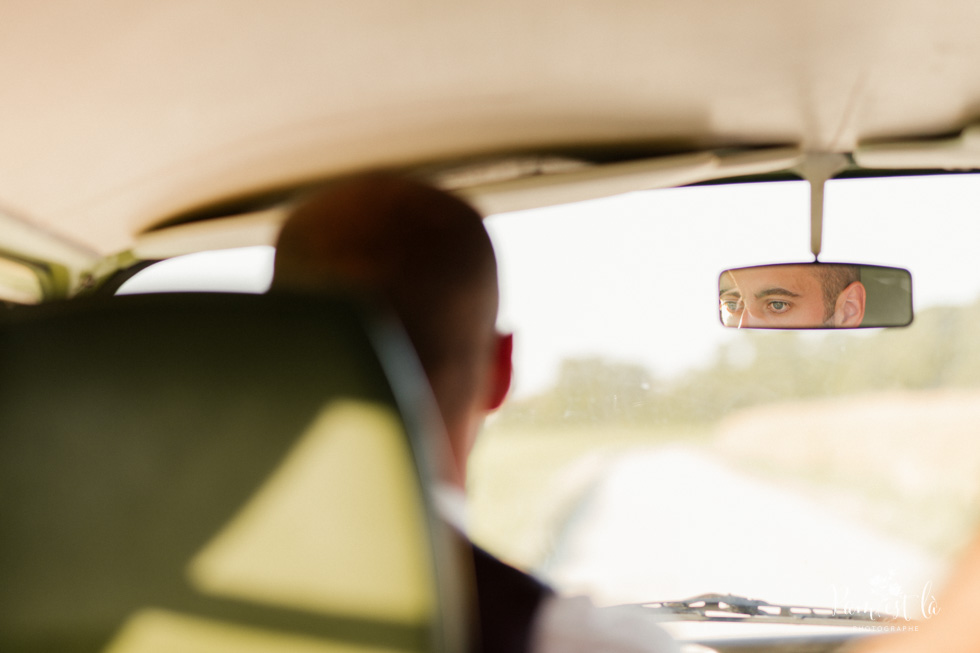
(422, 250)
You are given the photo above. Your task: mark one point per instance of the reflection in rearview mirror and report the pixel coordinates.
(815, 296)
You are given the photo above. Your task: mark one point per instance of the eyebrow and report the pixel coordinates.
(769, 292)
(733, 291)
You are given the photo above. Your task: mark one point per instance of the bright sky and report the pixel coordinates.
(634, 277)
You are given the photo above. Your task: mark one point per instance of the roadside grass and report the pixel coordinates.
(904, 463)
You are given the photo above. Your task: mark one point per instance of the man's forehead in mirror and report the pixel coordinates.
(788, 280)
(758, 283)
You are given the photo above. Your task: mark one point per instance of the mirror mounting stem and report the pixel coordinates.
(817, 168)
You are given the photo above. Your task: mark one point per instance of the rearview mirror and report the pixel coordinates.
(815, 296)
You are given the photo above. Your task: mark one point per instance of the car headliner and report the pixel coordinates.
(119, 116)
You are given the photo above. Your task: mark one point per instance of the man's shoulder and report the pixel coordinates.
(509, 600)
(493, 574)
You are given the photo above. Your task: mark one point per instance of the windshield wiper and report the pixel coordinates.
(728, 607)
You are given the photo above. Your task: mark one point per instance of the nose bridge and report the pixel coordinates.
(746, 319)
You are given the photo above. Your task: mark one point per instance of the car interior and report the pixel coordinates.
(164, 492)
(736, 245)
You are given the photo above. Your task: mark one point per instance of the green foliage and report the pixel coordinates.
(939, 350)
(590, 391)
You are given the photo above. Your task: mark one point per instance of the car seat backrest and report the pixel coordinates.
(212, 472)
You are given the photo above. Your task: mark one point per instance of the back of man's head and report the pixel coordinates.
(422, 250)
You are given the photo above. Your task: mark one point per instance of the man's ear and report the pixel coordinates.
(501, 371)
(850, 306)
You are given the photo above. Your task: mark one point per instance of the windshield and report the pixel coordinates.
(648, 454)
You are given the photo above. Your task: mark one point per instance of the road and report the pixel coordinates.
(674, 523)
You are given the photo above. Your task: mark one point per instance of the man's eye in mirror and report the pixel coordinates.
(815, 296)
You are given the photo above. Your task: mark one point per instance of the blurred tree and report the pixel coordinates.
(940, 349)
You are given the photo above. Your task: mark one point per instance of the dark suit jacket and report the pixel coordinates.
(508, 601)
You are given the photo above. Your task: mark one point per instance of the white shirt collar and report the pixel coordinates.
(450, 503)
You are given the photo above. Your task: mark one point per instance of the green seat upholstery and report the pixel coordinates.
(218, 472)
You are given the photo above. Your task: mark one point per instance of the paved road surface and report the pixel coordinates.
(674, 523)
